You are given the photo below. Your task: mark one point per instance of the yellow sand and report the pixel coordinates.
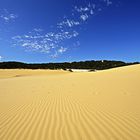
(58, 105)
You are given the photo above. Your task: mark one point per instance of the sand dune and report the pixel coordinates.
(20, 73)
(58, 105)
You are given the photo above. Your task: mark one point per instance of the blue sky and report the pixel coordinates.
(72, 30)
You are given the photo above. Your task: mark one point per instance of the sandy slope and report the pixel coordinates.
(47, 105)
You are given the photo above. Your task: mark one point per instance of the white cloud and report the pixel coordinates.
(58, 52)
(38, 30)
(87, 9)
(6, 16)
(108, 2)
(50, 43)
(91, 12)
(68, 22)
(90, 9)
(82, 9)
(53, 43)
(78, 16)
(1, 58)
(84, 17)
(62, 50)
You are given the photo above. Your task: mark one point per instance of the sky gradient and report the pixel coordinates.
(57, 31)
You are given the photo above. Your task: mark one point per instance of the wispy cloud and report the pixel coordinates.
(58, 52)
(6, 16)
(38, 30)
(108, 2)
(53, 43)
(50, 43)
(68, 22)
(1, 57)
(80, 14)
(84, 17)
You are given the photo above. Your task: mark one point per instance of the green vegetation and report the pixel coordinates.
(92, 65)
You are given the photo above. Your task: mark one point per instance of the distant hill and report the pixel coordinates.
(93, 65)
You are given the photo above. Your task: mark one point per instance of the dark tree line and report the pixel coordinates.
(94, 65)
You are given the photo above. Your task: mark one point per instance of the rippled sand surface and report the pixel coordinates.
(58, 105)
